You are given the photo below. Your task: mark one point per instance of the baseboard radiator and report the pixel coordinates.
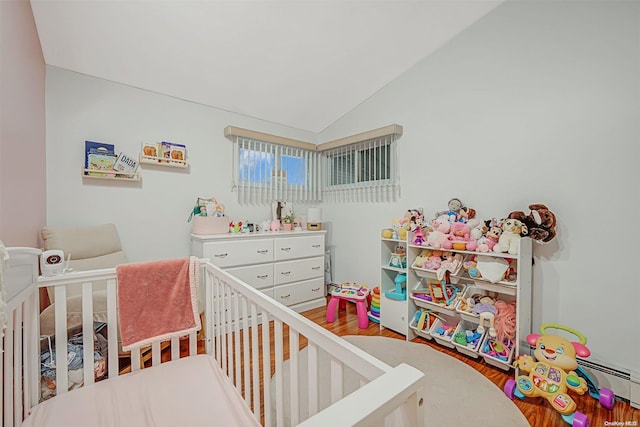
(624, 383)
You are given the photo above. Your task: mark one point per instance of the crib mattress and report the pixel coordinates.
(191, 391)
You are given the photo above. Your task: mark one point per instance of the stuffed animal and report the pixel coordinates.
(486, 310)
(541, 222)
(438, 235)
(387, 233)
(489, 240)
(458, 238)
(454, 205)
(509, 240)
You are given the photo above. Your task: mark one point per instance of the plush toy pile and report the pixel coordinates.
(458, 229)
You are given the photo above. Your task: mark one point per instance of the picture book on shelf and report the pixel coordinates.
(173, 151)
(125, 163)
(99, 156)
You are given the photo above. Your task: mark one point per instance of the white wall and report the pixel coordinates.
(22, 123)
(151, 216)
(537, 102)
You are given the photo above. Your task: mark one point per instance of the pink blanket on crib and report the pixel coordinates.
(157, 300)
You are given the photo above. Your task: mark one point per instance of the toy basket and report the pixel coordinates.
(487, 352)
(443, 332)
(424, 331)
(473, 342)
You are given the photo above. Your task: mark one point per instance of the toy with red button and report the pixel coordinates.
(554, 371)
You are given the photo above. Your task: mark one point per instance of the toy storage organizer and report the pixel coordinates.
(445, 315)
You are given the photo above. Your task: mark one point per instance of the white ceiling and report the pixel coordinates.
(299, 63)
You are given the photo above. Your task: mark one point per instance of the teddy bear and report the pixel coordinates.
(459, 238)
(489, 240)
(440, 228)
(509, 240)
(541, 222)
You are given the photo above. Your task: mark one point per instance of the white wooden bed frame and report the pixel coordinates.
(385, 394)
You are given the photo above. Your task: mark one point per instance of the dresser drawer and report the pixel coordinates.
(229, 254)
(259, 276)
(295, 293)
(298, 247)
(295, 271)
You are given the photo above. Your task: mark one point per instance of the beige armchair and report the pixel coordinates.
(90, 247)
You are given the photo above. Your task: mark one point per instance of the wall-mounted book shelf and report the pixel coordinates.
(174, 163)
(112, 175)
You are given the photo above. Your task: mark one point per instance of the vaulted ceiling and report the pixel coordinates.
(302, 64)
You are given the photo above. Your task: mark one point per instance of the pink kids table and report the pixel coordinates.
(349, 292)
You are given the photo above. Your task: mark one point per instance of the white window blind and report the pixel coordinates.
(364, 171)
(265, 171)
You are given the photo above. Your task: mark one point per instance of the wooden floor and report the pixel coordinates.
(537, 411)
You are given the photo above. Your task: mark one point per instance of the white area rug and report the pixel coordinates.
(457, 395)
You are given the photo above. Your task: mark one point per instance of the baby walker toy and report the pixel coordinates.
(349, 292)
(400, 292)
(553, 371)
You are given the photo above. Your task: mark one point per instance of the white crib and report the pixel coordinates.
(238, 321)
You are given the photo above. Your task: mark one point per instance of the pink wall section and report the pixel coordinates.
(22, 127)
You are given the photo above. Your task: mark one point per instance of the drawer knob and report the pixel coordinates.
(264, 251)
(315, 246)
(285, 296)
(315, 268)
(221, 255)
(264, 276)
(285, 273)
(285, 249)
(315, 289)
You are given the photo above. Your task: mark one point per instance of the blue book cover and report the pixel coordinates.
(91, 147)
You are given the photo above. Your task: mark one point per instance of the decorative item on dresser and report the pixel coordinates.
(287, 267)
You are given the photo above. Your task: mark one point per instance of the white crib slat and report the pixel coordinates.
(336, 381)
(175, 348)
(62, 378)
(8, 371)
(266, 368)
(245, 352)
(32, 328)
(193, 343)
(294, 345)
(227, 332)
(255, 358)
(236, 335)
(277, 329)
(209, 321)
(87, 332)
(135, 359)
(312, 354)
(155, 353)
(112, 328)
(17, 363)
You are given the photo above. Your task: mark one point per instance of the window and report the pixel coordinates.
(360, 167)
(266, 172)
(362, 171)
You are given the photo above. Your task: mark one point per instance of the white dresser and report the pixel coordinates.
(286, 265)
